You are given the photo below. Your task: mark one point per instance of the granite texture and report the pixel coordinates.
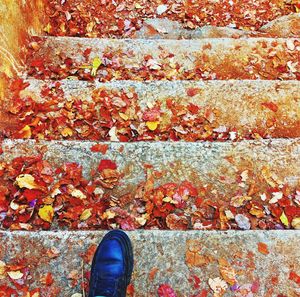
(261, 262)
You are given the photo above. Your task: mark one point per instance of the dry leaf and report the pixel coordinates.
(66, 132)
(97, 62)
(2, 268)
(227, 271)
(284, 219)
(87, 213)
(218, 286)
(263, 248)
(296, 223)
(46, 213)
(152, 125)
(15, 275)
(78, 194)
(26, 181)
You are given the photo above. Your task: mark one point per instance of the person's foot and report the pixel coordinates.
(112, 266)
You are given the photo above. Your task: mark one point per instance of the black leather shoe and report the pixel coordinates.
(112, 266)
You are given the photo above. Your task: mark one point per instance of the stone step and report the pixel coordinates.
(164, 28)
(136, 59)
(183, 110)
(122, 19)
(166, 185)
(288, 25)
(253, 263)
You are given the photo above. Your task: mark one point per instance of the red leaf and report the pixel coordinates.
(186, 185)
(165, 291)
(30, 195)
(87, 52)
(255, 286)
(37, 63)
(99, 148)
(295, 277)
(107, 164)
(130, 290)
(193, 108)
(48, 279)
(192, 92)
(272, 106)
(151, 115)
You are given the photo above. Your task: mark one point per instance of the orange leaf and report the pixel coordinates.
(263, 248)
(99, 148)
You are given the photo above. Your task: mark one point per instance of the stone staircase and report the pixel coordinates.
(189, 140)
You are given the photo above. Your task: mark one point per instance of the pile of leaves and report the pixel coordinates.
(35, 194)
(282, 62)
(123, 18)
(118, 115)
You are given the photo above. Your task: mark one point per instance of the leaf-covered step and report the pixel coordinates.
(187, 263)
(134, 111)
(163, 28)
(95, 18)
(88, 185)
(136, 59)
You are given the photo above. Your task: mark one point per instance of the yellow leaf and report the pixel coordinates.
(48, 28)
(296, 223)
(66, 132)
(25, 132)
(46, 213)
(2, 267)
(62, 27)
(284, 219)
(123, 116)
(109, 215)
(97, 62)
(26, 181)
(15, 274)
(138, 6)
(87, 213)
(152, 125)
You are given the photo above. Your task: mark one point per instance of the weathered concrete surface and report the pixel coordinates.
(219, 58)
(168, 29)
(284, 26)
(260, 263)
(239, 106)
(202, 163)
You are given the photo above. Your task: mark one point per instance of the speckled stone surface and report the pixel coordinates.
(284, 26)
(245, 98)
(157, 28)
(214, 52)
(163, 28)
(202, 162)
(184, 260)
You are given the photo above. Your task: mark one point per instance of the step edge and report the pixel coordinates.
(266, 142)
(155, 232)
(167, 40)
